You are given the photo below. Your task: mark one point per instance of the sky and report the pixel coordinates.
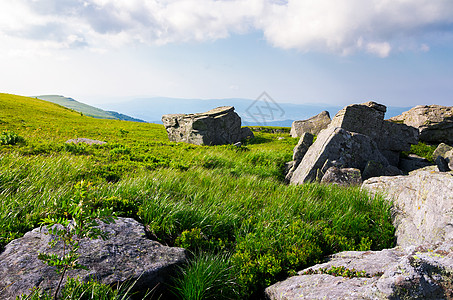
(395, 52)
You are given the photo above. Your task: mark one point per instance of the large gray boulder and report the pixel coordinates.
(127, 254)
(368, 119)
(422, 272)
(422, 204)
(219, 126)
(340, 148)
(434, 122)
(313, 125)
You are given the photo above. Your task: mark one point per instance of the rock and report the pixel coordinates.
(376, 169)
(423, 272)
(441, 150)
(340, 148)
(443, 156)
(305, 141)
(434, 122)
(422, 204)
(238, 144)
(413, 162)
(442, 164)
(219, 126)
(342, 177)
(127, 254)
(85, 141)
(313, 125)
(368, 119)
(449, 159)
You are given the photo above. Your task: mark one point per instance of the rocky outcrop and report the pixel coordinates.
(85, 141)
(422, 272)
(368, 119)
(340, 148)
(219, 126)
(127, 254)
(305, 141)
(422, 205)
(342, 177)
(434, 122)
(313, 125)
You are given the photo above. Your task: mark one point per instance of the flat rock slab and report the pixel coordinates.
(85, 141)
(423, 272)
(127, 254)
(422, 204)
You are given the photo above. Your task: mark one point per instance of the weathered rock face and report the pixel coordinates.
(423, 272)
(434, 122)
(219, 126)
(85, 141)
(343, 177)
(305, 141)
(423, 205)
(368, 119)
(127, 254)
(313, 125)
(340, 148)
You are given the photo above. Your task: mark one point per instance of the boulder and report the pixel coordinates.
(442, 164)
(422, 272)
(442, 150)
(313, 125)
(413, 162)
(443, 156)
(126, 255)
(342, 177)
(85, 141)
(434, 122)
(368, 119)
(219, 126)
(422, 204)
(305, 141)
(340, 148)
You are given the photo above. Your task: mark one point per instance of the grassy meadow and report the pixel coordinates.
(229, 206)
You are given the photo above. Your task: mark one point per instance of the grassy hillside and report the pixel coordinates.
(229, 206)
(86, 109)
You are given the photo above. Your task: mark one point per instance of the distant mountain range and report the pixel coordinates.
(86, 109)
(263, 112)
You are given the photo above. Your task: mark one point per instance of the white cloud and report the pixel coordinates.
(379, 49)
(342, 26)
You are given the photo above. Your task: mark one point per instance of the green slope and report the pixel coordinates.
(86, 109)
(208, 199)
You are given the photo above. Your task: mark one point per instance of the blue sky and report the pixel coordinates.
(398, 52)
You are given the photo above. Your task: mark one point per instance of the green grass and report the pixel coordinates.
(423, 150)
(227, 201)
